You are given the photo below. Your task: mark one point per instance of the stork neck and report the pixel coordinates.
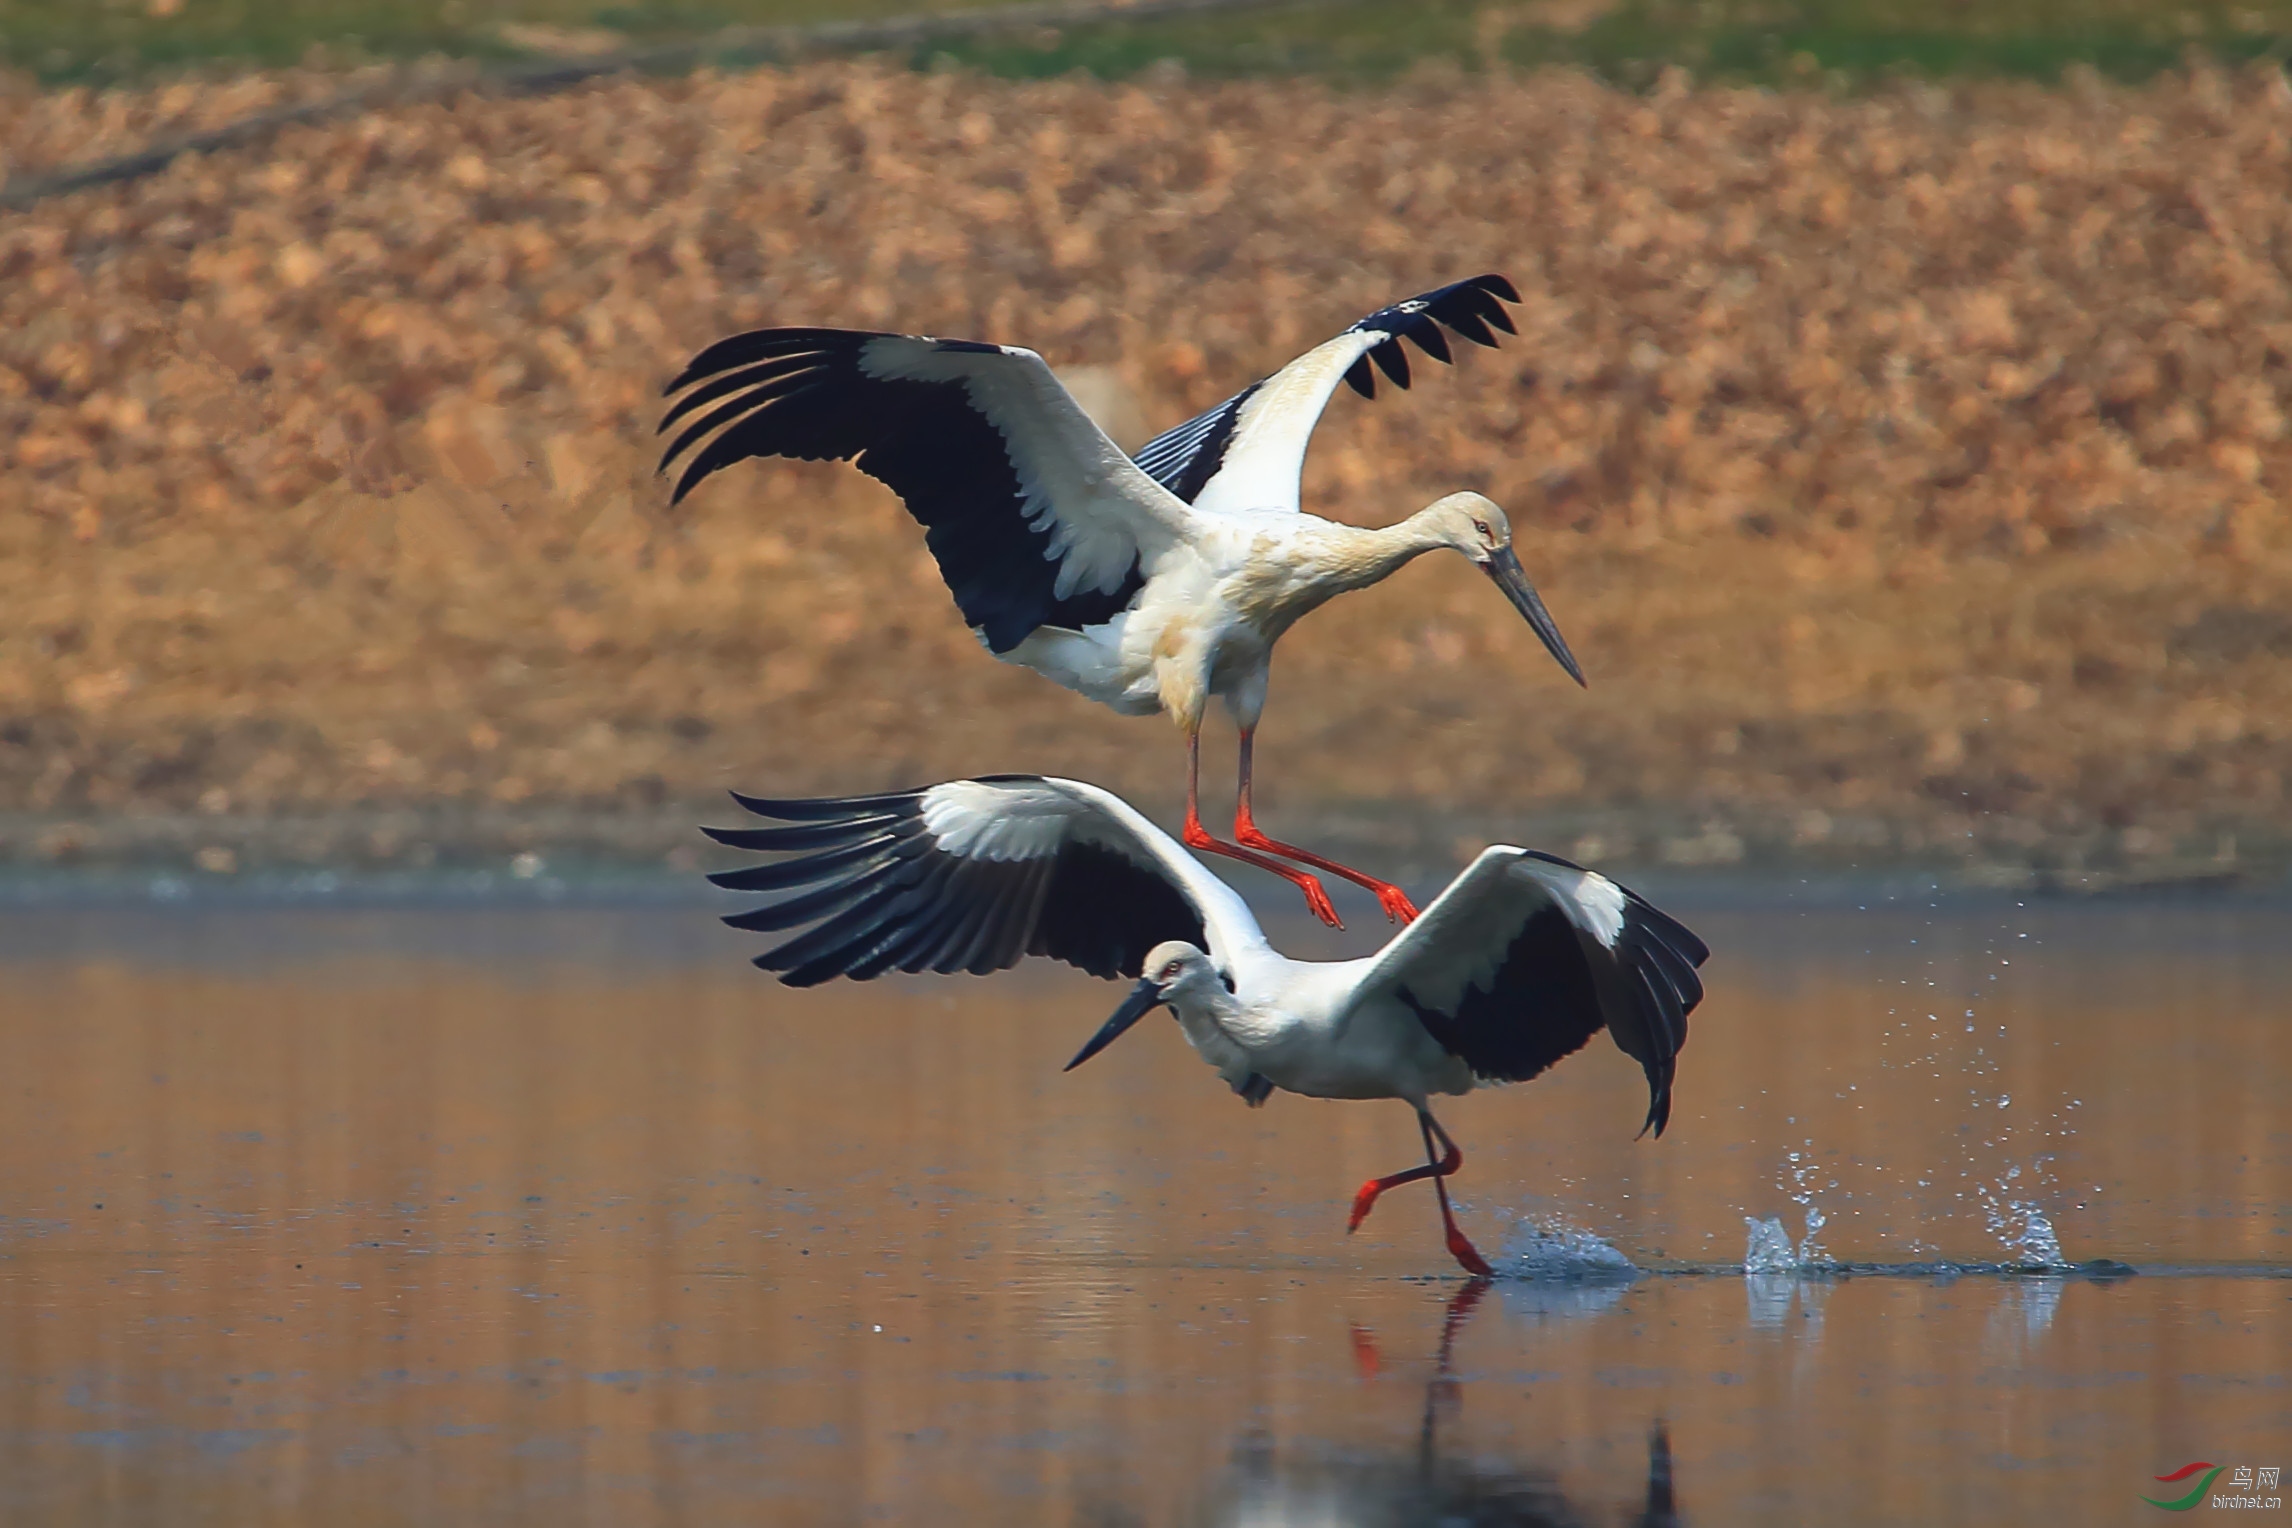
(1217, 1012)
(1369, 555)
(1249, 1026)
(1217, 1006)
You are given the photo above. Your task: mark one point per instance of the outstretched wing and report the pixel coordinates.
(1525, 957)
(972, 876)
(1249, 451)
(1036, 518)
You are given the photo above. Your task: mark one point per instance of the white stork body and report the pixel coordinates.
(1145, 585)
(1205, 621)
(1515, 965)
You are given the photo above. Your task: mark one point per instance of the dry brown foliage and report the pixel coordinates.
(1913, 460)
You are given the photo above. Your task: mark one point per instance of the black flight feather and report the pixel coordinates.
(804, 394)
(1557, 985)
(1184, 459)
(881, 892)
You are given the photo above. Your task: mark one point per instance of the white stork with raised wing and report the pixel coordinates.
(1519, 962)
(1147, 585)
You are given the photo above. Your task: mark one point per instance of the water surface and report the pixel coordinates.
(567, 1215)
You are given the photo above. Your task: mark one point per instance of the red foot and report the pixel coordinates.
(1366, 1199)
(1363, 1203)
(1467, 1255)
(1318, 903)
(1317, 900)
(1366, 1363)
(1391, 898)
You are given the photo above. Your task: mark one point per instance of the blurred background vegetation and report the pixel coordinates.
(1837, 43)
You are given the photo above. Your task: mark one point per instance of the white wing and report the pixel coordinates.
(1525, 957)
(1036, 518)
(974, 875)
(1249, 452)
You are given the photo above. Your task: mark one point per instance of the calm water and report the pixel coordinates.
(568, 1216)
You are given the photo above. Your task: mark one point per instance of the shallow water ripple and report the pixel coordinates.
(553, 1216)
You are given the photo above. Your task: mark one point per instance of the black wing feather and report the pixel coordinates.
(802, 393)
(1184, 459)
(1426, 336)
(1393, 361)
(1557, 986)
(780, 840)
(1540, 1005)
(885, 896)
(729, 382)
(785, 875)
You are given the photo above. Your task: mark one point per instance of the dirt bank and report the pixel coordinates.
(1908, 466)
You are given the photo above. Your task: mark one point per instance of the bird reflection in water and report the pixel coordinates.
(1353, 1488)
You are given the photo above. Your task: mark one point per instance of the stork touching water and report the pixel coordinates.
(1520, 961)
(1146, 585)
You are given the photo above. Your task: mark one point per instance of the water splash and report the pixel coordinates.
(1769, 1249)
(1807, 1177)
(1551, 1251)
(2020, 1224)
(1774, 1279)
(2034, 1243)
(1811, 1253)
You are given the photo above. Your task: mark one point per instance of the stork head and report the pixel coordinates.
(1474, 525)
(1174, 972)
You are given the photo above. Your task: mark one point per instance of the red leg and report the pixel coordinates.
(1366, 1199)
(1460, 1246)
(1196, 836)
(1391, 898)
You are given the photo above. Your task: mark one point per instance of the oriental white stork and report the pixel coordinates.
(1147, 585)
(1519, 962)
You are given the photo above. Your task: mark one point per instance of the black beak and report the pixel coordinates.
(1505, 572)
(1143, 1000)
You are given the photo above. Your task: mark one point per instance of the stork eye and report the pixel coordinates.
(1170, 971)
(1482, 527)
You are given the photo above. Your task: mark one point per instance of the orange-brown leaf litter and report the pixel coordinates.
(1906, 470)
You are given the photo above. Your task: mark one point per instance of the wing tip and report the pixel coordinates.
(1496, 284)
(1658, 1103)
(1465, 307)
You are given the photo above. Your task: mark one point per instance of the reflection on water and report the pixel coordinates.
(2025, 1314)
(1392, 1487)
(562, 1216)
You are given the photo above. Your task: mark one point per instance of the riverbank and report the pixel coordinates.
(1907, 471)
(550, 852)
